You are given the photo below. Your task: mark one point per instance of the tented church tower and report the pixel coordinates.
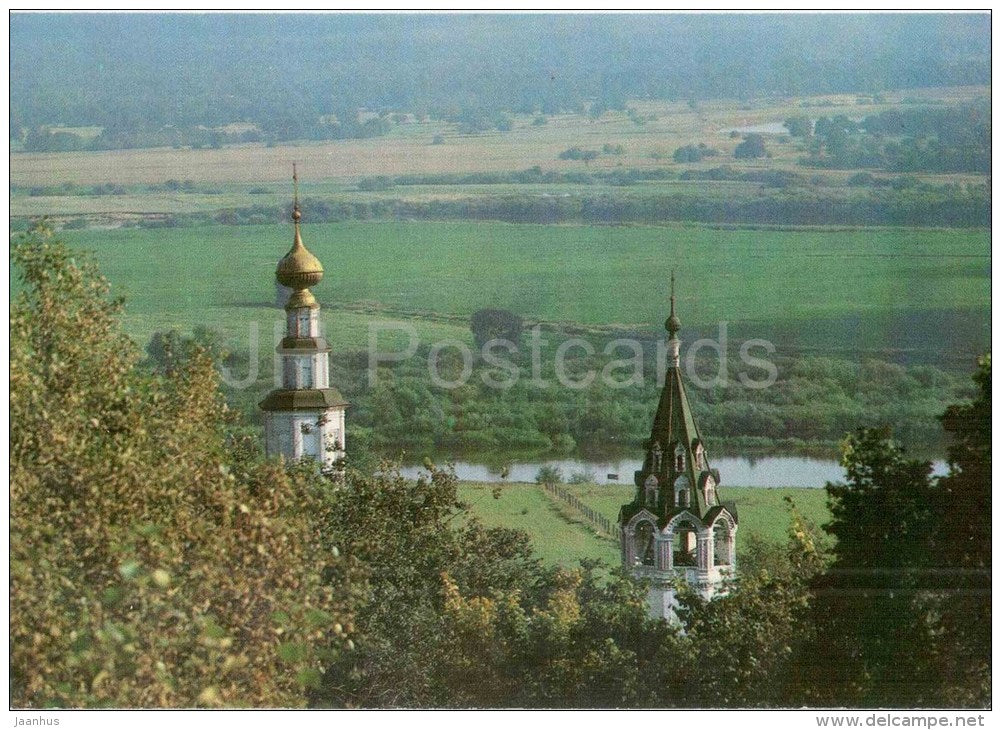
(304, 419)
(676, 528)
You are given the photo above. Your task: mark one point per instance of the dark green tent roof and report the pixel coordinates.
(674, 425)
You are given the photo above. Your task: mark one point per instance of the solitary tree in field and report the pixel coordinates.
(694, 153)
(495, 324)
(751, 148)
(798, 126)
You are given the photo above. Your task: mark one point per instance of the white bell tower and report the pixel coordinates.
(304, 419)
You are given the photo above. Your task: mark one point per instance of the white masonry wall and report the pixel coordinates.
(310, 434)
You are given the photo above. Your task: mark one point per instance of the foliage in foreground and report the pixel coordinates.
(158, 560)
(488, 627)
(153, 562)
(909, 590)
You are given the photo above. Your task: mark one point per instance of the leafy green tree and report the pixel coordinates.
(168, 350)
(549, 474)
(743, 647)
(154, 560)
(578, 153)
(491, 324)
(503, 122)
(908, 593)
(406, 537)
(798, 126)
(881, 517)
(751, 148)
(694, 153)
(961, 543)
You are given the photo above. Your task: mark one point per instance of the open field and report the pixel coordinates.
(762, 512)
(634, 177)
(665, 127)
(526, 507)
(871, 289)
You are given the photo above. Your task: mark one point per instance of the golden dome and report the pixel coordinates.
(299, 269)
(301, 298)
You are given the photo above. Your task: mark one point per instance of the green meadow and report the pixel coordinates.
(558, 537)
(791, 282)
(763, 511)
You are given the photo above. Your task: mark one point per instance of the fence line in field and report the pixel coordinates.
(590, 515)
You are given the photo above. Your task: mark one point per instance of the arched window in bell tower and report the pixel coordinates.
(700, 455)
(722, 543)
(684, 543)
(679, 458)
(709, 491)
(650, 488)
(682, 492)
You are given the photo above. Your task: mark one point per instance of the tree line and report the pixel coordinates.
(903, 202)
(815, 401)
(925, 139)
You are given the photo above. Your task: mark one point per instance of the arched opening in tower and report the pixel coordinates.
(684, 544)
(722, 543)
(644, 543)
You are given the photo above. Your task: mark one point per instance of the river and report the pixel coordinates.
(738, 471)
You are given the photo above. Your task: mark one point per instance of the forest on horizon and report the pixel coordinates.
(309, 76)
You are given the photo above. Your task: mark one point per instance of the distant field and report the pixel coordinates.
(876, 288)
(762, 512)
(411, 151)
(665, 126)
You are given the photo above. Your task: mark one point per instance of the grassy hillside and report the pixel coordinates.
(560, 538)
